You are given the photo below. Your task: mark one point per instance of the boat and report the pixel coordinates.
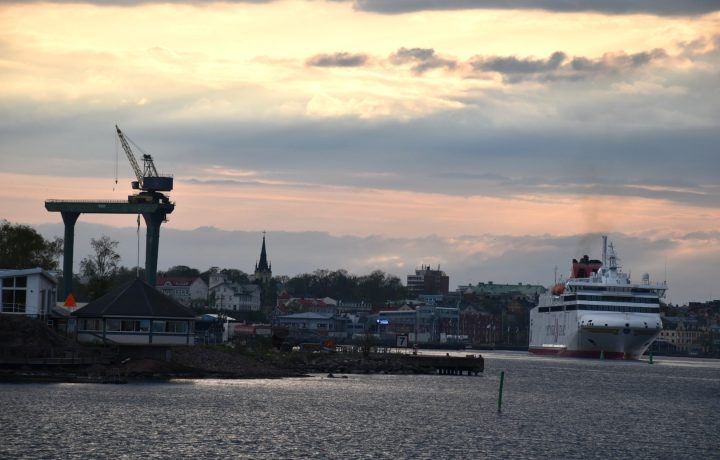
(597, 312)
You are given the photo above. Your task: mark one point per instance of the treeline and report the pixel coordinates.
(377, 288)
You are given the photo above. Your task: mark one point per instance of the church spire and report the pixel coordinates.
(263, 270)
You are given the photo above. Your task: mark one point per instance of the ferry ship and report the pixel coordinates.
(598, 312)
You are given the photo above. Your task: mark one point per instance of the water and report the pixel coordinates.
(552, 408)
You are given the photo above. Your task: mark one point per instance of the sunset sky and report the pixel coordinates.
(499, 130)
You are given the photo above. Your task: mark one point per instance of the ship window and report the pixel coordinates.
(570, 307)
(544, 309)
(556, 308)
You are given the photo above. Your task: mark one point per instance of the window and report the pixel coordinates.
(171, 327)
(14, 294)
(91, 324)
(114, 325)
(177, 326)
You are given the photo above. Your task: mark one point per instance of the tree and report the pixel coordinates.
(100, 268)
(183, 271)
(23, 247)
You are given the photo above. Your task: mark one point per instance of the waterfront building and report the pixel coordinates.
(29, 292)
(135, 314)
(308, 322)
(189, 291)
(427, 281)
(422, 324)
(679, 334)
(263, 268)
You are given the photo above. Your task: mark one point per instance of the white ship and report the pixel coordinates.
(597, 312)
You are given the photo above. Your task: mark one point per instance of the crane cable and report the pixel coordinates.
(116, 161)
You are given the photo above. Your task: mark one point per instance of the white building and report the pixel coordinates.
(225, 295)
(30, 292)
(186, 290)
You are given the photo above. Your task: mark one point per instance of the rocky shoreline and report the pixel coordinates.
(30, 352)
(226, 363)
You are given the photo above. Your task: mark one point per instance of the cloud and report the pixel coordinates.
(655, 7)
(511, 64)
(556, 67)
(341, 59)
(421, 59)
(559, 67)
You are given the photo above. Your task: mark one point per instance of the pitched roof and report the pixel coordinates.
(135, 299)
(308, 315)
(176, 280)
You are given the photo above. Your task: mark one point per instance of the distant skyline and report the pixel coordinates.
(461, 130)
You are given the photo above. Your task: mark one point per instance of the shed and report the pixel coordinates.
(135, 314)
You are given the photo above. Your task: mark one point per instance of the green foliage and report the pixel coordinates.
(375, 288)
(235, 276)
(182, 271)
(23, 247)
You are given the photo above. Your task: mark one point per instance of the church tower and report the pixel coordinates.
(263, 269)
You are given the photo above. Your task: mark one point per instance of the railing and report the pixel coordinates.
(88, 201)
(13, 308)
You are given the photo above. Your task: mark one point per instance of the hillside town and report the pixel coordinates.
(188, 307)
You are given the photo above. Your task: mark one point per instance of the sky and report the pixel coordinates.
(497, 139)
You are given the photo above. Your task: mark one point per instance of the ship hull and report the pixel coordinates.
(593, 334)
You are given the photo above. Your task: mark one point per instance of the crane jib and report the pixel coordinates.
(148, 178)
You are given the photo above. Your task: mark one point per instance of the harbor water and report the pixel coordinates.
(552, 408)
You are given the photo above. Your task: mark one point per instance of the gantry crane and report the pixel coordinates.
(148, 180)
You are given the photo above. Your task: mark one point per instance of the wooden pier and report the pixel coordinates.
(454, 365)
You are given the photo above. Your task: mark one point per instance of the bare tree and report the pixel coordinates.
(100, 268)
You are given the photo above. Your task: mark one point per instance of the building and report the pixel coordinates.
(305, 305)
(530, 291)
(263, 269)
(189, 291)
(226, 295)
(427, 281)
(678, 334)
(312, 324)
(30, 292)
(422, 324)
(135, 314)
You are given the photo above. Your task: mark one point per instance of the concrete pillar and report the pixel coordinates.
(69, 219)
(152, 243)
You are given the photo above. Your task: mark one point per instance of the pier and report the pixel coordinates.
(455, 365)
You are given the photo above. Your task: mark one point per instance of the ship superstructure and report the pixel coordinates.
(597, 312)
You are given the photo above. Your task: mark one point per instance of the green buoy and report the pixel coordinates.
(502, 380)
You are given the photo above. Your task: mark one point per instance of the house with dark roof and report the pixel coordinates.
(135, 314)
